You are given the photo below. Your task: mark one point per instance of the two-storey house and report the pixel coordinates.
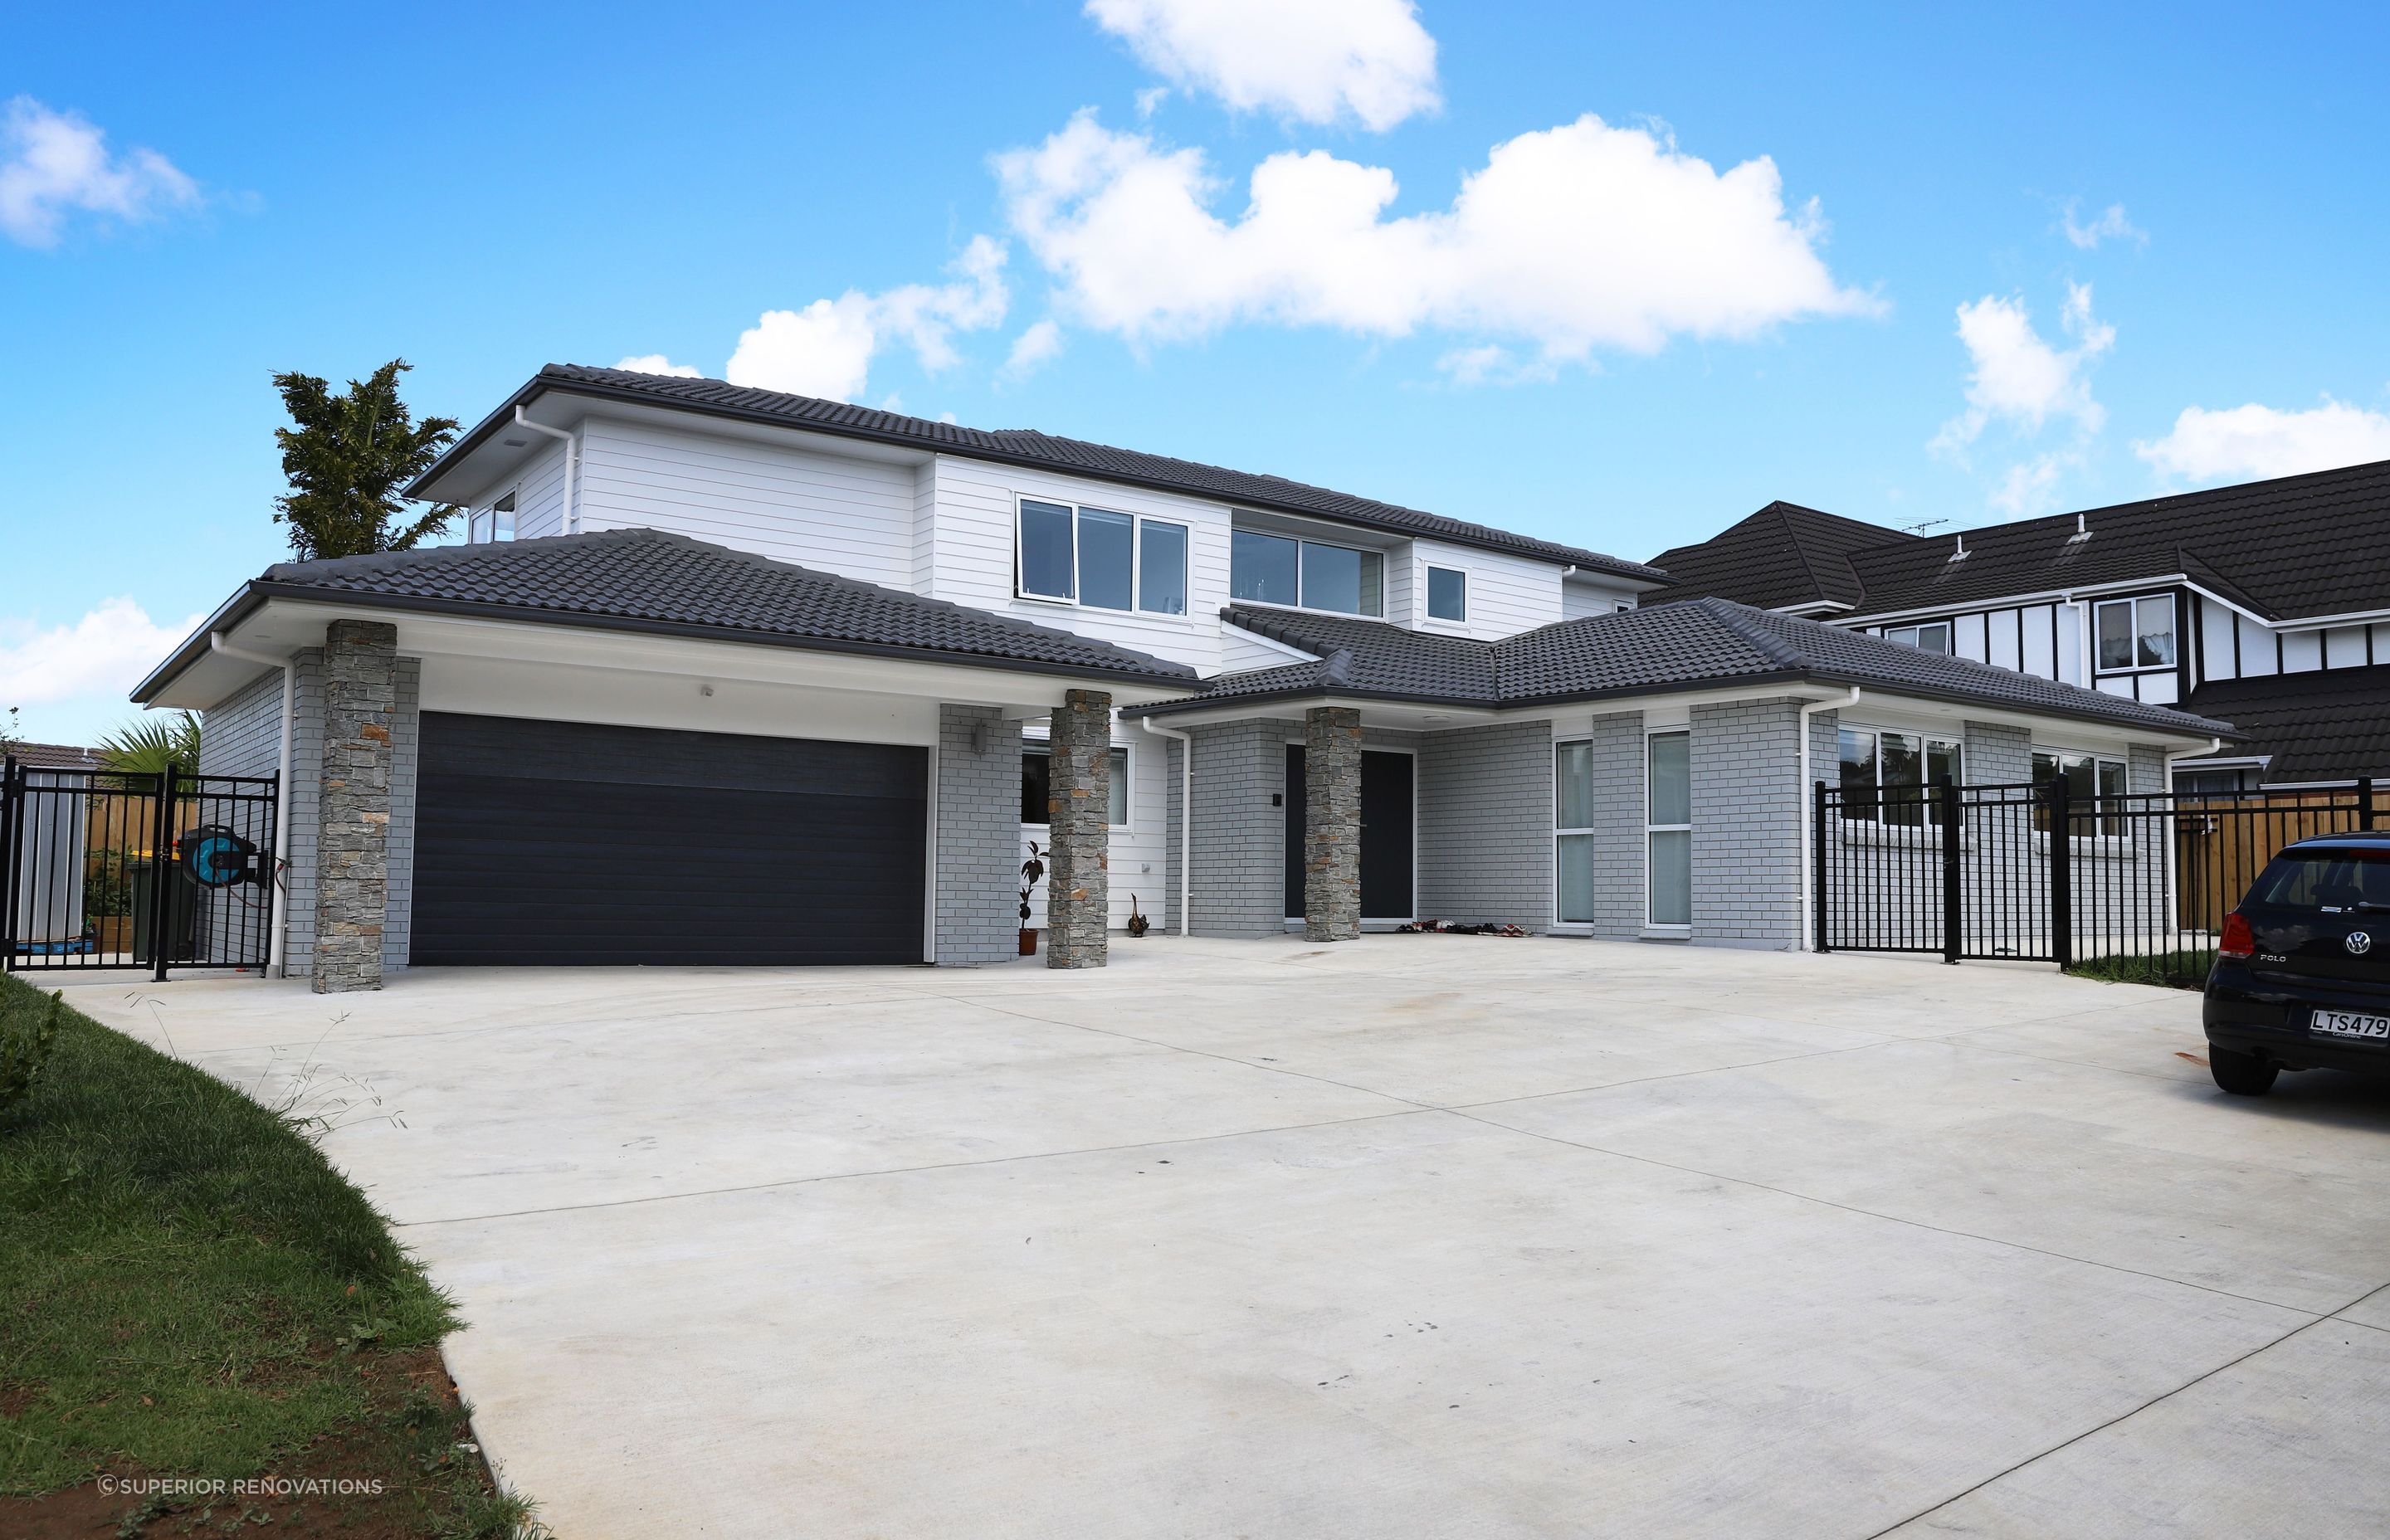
(2265, 605)
(727, 675)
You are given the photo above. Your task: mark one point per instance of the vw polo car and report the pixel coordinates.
(2301, 972)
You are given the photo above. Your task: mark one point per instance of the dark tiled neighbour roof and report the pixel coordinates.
(1781, 556)
(651, 581)
(2332, 726)
(1029, 447)
(1707, 642)
(56, 756)
(2280, 547)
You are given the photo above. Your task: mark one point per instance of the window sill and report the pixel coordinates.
(1664, 932)
(1162, 617)
(1307, 609)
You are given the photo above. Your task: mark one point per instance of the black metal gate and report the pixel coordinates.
(108, 869)
(2138, 889)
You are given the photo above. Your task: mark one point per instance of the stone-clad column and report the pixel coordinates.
(352, 839)
(1079, 825)
(1331, 822)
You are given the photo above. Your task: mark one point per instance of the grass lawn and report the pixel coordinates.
(188, 1290)
(2166, 969)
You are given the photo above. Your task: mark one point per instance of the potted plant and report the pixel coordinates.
(1033, 871)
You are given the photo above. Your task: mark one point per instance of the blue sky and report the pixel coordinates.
(1917, 304)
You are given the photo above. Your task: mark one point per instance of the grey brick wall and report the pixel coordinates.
(1240, 840)
(1747, 812)
(406, 757)
(976, 909)
(243, 736)
(1485, 824)
(1997, 754)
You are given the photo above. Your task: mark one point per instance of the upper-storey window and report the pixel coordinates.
(2135, 634)
(1101, 559)
(1447, 594)
(1272, 568)
(495, 522)
(1931, 635)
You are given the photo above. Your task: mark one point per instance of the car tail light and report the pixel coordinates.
(2238, 940)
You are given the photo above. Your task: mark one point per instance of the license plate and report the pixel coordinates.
(2344, 1023)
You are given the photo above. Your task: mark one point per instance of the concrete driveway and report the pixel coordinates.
(1412, 1237)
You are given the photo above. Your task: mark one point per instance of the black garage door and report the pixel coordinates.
(561, 842)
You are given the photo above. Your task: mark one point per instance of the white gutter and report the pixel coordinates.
(1186, 815)
(564, 522)
(278, 920)
(1807, 802)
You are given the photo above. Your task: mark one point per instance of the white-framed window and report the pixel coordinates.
(1926, 635)
(2132, 634)
(1668, 829)
(1448, 593)
(2088, 777)
(1308, 574)
(1876, 760)
(1101, 559)
(495, 522)
(1573, 834)
(1035, 771)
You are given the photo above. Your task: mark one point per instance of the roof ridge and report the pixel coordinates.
(1734, 617)
(1801, 550)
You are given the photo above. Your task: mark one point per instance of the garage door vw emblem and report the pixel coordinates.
(2359, 944)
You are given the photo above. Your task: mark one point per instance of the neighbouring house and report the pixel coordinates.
(2255, 603)
(723, 676)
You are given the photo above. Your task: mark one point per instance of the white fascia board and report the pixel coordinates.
(283, 626)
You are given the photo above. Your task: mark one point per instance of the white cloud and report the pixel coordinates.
(106, 652)
(1033, 347)
(2030, 486)
(656, 363)
(2111, 224)
(1571, 238)
(827, 347)
(1314, 61)
(56, 163)
(2021, 379)
(2258, 442)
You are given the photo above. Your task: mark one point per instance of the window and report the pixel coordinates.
(1102, 559)
(1875, 762)
(495, 522)
(1447, 594)
(1276, 569)
(1035, 782)
(2088, 777)
(1572, 814)
(2135, 633)
(1668, 829)
(1930, 637)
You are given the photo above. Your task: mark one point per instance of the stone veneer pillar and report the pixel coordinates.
(353, 835)
(1079, 829)
(1331, 822)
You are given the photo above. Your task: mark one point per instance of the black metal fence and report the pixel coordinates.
(113, 869)
(2138, 888)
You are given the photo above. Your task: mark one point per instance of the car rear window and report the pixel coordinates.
(2325, 880)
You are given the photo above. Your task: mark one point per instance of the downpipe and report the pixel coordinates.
(1186, 817)
(564, 518)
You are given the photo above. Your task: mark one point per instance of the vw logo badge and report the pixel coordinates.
(2359, 944)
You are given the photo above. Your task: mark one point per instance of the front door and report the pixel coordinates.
(1386, 834)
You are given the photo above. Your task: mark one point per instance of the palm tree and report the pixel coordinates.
(145, 747)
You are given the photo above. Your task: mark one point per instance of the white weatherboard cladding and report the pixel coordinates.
(972, 559)
(1507, 593)
(1580, 599)
(1141, 860)
(1242, 651)
(834, 513)
(538, 487)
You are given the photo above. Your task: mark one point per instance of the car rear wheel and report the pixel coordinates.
(2242, 1074)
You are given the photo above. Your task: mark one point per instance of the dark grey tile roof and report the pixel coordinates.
(1707, 642)
(1029, 447)
(1781, 556)
(2330, 725)
(57, 756)
(2281, 548)
(650, 580)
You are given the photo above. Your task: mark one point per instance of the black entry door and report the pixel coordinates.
(1386, 834)
(562, 842)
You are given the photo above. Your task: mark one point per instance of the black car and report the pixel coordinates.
(2302, 974)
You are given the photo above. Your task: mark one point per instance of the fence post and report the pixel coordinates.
(2062, 876)
(1818, 867)
(9, 800)
(161, 850)
(2365, 801)
(1951, 825)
